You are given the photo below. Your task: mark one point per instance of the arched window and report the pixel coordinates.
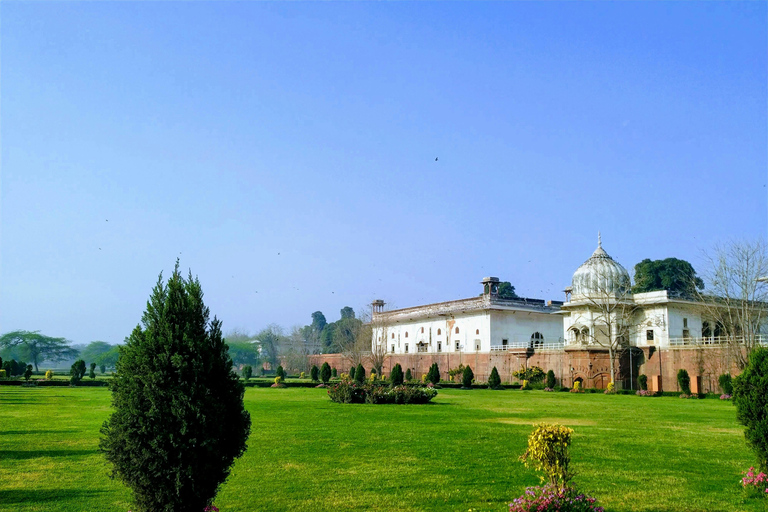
(439, 332)
(422, 330)
(537, 340)
(406, 334)
(457, 330)
(393, 335)
(477, 331)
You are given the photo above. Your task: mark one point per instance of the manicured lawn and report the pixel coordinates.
(460, 453)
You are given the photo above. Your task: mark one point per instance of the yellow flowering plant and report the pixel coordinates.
(49, 375)
(548, 452)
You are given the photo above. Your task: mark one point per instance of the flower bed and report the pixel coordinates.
(755, 485)
(550, 498)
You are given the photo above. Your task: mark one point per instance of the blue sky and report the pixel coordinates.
(285, 152)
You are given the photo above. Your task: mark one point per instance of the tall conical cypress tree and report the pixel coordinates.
(360, 374)
(178, 421)
(396, 375)
(494, 381)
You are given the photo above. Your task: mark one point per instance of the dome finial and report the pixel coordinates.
(599, 240)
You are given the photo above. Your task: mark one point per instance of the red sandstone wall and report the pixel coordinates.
(706, 363)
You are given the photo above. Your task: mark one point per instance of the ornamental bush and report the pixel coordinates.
(359, 374)
(314, 373)
(280, 372)
(408, 375)
(396, 375)
(642, 381)
(532, 374)
(247, 372)
(548, 452)
(433, 375)
(77, 372)
(347, 392)
(467, 377)
(494, 381)
(28, 372)
(92, 373)
(178, 422)
(103, 369)
(325, 373)
(726, 383)
(684, 381)
(551, 381)
(49, 375)
(551, 498)
(352, 373)
(750, 395)
(334, 372)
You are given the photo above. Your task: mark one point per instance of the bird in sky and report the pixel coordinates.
(435, 159)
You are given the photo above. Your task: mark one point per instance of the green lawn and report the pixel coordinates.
(459, 453)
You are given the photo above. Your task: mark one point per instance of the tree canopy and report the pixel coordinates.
(671, 274)
(38, 347)
(318, 321)
(347, 312)
(507, 291)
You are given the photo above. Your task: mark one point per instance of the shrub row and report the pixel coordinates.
(353, 393)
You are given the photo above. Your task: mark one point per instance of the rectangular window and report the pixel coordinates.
(393, 349)
(439, 347)
(649, 335)
(504, 343)
(685, 322)
(406, 348)
(477, 348)
(457, 346)
(686, 333)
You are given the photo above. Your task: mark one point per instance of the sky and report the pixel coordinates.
(309, 156)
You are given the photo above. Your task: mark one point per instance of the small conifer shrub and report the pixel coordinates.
(433, 375)
(334, 372)
(408, 375)
(360, 374)
(396, 375)
(77, 372)
(280, 372)
(92, 372)
(467, 377)
(247, 372)
(352, 373)
(314, 373)
(684, 381)
(726, 383)
(28, 372)
(494, 381)
(103, 369)
(325, 373)
(642, 381)
(750, 395)
(551, 381)
(178, 422)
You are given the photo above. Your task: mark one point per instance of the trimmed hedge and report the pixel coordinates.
(353, 393)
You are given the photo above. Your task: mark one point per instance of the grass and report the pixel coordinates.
(459, 453)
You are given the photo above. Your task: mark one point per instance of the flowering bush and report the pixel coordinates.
(725, 397)
(644, 392)
(551, 498)
(755, 484)
(49, 375)
(577, 387)
(611, 389)
(548, 389)
(211, 508)
(547, 451)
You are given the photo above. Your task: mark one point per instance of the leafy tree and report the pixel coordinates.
(326, 338)
(396, 375)
(507, 291)
(347, 313)
(28, 372)
(494, 381)
(77, 372)
(270, 340)
(247, 372)
(408, 375)
(551, 379)
(244, 352)
(750, 395)
(94, 350)
(360, 374)
(280, 373)
(38, 347)
(314, 373)
(103, 369)
(433, 375)
(318, 321)
(109, 358)
(325, 373)
(178, 421)
(671, 274)
(92, 373)
(467, 377)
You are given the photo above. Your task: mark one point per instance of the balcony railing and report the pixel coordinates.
(517, 345)
(721, 340)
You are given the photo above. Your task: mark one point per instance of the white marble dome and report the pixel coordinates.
(600, 275)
